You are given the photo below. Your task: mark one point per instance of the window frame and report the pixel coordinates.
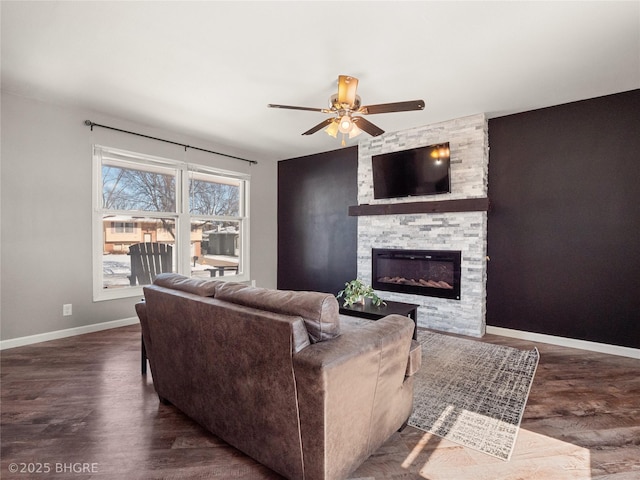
(181, 216)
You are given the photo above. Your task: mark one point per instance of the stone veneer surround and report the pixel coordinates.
(464, 231)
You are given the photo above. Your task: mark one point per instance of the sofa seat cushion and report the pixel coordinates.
(320, 311)
(197, 286)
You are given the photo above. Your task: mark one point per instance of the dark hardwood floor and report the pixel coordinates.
(79, 408)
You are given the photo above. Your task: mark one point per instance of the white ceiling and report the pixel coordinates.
(209, 68)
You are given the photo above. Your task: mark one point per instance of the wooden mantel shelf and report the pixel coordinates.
(440, 206)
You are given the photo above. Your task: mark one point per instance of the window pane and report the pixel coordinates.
(132, 189)
(122, 227)
(215, 247)
(121, 237)
(213, 195)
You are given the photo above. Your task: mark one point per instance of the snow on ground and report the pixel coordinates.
(116, 269)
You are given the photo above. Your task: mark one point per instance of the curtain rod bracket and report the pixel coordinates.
(89, 123)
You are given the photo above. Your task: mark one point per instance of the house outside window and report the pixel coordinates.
(196, 215)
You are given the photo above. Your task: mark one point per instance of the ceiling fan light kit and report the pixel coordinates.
(345, 104)
(332, 129)
(345, 124)
(354, 132)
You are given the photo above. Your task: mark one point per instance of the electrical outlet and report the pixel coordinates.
(67, 309)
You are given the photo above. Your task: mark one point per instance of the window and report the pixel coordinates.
(122, 227)
(194, 217)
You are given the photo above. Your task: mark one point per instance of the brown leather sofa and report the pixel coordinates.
(279, 374)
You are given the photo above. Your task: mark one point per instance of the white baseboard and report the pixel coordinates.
(505, 332)
(69, 332)
(566, 342)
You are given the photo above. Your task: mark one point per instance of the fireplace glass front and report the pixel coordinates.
(434, 273)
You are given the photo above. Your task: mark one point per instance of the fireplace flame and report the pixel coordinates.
(417, 283)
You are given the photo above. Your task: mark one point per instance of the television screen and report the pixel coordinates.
(419, 171)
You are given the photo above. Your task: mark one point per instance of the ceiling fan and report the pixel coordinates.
(345, 104)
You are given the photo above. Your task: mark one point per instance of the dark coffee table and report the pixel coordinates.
(371, 312)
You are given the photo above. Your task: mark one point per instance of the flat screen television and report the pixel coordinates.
(418, 171)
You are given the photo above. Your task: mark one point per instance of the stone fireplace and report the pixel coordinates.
(459, 231)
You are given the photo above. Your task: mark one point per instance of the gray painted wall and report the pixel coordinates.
(46, 188)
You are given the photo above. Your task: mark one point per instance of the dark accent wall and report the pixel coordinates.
(564, 221)
(317, 239)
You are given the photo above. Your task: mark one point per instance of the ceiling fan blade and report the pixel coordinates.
(367, 126)
(291, 107)
(320, 126)
(347, 87)
(392, 107)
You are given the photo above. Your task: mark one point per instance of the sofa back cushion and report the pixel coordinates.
(320, 311)
(197, 286)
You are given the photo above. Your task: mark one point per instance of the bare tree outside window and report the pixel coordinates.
(130, 189)
(214, 198)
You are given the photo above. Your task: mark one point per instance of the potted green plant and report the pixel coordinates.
(356, 291)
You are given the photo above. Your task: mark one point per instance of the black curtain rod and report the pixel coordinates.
(91, 124)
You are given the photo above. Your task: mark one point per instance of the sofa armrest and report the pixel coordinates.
(352, 390)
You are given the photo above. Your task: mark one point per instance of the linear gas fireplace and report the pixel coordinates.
(434, 273)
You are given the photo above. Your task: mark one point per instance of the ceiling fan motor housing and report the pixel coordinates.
(335, 105)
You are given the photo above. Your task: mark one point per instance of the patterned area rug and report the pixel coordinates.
(472, 393)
